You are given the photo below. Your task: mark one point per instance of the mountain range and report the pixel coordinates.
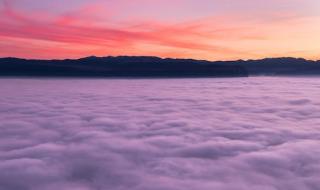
(145, 66)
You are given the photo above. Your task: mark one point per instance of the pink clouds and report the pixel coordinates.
(169, 134)
(101, 28)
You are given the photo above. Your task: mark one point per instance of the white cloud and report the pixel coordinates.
(228, 134)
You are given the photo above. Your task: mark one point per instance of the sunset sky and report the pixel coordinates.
(199, 29)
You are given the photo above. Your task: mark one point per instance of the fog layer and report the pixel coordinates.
(175, 134)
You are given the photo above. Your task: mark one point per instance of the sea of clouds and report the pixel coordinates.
(166, 134)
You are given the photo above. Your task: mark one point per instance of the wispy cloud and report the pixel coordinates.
(98, 29)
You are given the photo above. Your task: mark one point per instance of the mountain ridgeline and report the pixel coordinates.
(125, 66)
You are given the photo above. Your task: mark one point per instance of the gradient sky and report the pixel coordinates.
(200, 29)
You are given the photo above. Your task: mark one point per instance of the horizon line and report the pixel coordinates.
(115, 56)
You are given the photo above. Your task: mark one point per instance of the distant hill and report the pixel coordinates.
(280, 66)
(126, 66)
(119, 67)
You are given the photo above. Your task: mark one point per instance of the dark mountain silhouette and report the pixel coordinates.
(280, 66)
(126, 66)
(119, 67)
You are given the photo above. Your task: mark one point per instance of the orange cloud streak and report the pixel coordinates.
(74, 35)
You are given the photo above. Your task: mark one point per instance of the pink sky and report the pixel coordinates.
(200, 29)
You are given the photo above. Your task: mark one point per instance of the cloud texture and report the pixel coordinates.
(226, 134)
(206, 29)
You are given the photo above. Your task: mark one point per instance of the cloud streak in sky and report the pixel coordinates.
(214, 30)
(231, 134)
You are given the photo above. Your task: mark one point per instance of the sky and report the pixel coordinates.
(199, 29)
